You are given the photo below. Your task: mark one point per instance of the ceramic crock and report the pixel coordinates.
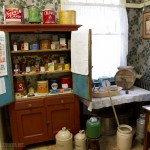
(64, 140)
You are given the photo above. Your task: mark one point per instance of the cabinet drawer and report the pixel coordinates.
(29, 104)
(59, 99)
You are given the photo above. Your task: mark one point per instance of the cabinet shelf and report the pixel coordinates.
(38, 51)
(49, 95)
(40, 73)
(38, 27)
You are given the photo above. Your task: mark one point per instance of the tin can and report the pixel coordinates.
(13, 14)
(53, 84)
(26, 45)
(66, 82)
(67, 17)
(34, 46)
(34, 14)
(42, 87)
(44, 44)
(48, 16)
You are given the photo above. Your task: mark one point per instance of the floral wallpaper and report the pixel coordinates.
(41, 4)
(138, 47)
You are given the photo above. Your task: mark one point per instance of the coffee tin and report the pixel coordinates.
(13, 14)
(48, 16)
(34, 14)
(53, 84)
(42, 87)
(44, 44)
(66, 82)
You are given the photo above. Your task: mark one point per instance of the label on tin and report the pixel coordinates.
(48, 16)
(42, 87)
(54, 86)
(64, 86)
(13, 14)
(34, 15)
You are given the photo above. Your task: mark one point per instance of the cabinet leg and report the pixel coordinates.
(146, 141)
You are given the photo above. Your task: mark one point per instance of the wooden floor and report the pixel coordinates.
(106, 143)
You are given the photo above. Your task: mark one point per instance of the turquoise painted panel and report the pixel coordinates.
(81, 86)
(7, 97)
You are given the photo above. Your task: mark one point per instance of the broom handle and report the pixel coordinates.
(113, 108)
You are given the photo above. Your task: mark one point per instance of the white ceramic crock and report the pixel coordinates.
(64, 140)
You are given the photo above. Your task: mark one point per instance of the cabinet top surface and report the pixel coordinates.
(38, 27)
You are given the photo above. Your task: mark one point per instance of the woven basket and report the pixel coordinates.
(104, 92)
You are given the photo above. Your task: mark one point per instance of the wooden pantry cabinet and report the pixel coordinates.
(38, 118)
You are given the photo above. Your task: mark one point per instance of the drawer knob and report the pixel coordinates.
(29, 106)
(62, 101)
(47, 122)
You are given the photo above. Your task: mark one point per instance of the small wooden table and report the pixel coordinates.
(147, 127)
(93, 144)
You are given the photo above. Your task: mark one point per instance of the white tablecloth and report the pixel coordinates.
(136, 94)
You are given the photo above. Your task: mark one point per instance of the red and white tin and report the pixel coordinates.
(48, 16)
(13, 14)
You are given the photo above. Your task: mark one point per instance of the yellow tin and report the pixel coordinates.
(44, 44)
(42, 87)
(67, 17)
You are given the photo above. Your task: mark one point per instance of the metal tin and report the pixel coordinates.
(67, 17)
(66, 82)
(26, 45)
(13, 14)
(42, 87)
(34, 46)
(34, 14)
(53, 84)
(44, 44)
(48, 16)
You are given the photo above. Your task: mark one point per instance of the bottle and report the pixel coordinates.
(15, 45)
(16, 68)
(32, 67)
(46, 65)
(23, 68)
(140, 127)
(28, 69)
(37, 66)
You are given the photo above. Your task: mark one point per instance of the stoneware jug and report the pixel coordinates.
(80, 140)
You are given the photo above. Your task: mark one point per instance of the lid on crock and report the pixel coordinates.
(63, 134)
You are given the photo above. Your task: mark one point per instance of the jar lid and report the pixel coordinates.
(63, 134)
(93, 119)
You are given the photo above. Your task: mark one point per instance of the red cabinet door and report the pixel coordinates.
(60, 116)
(31, 122)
